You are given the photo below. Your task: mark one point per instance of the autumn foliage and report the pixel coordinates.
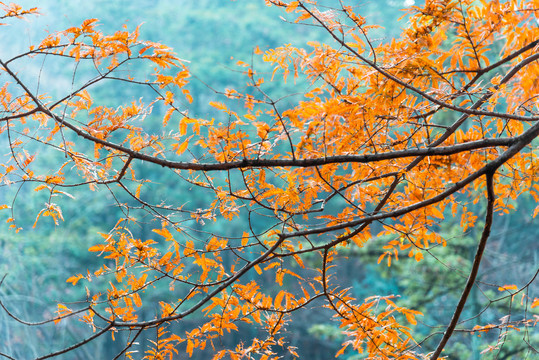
(390, 139)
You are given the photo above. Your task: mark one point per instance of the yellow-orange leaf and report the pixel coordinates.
(244, 239)
(164, 233)
(137, 192)
(218, 105)
(180, 149)
(62, 312)
(167, 116)
(508, 287)
(250, 117)
(41, 187)
(97, 248)
(279, 299)
(74, 279)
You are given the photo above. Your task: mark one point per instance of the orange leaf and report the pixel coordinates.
(74, 279)
(341, 351)
(411, 318)
(436, 213)
(137, 192)
(97, 248)
(508, 287)
(41, 187)
(62, 312)
(218, 105)
(180, 149)
(279, 299)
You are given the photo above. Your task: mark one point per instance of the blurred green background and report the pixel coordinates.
(213, 35)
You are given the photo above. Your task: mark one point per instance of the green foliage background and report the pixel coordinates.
(213, 35)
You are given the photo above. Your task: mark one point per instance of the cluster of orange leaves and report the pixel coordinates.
(352, 109)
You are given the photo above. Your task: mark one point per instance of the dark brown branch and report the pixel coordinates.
(131, 343)
(475, 267)
(7, 356)
(251, 163)
(524, 140)
(501, 62)
(79, 344)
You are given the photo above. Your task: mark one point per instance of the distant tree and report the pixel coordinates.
(388, 141)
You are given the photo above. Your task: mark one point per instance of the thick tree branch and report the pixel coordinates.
(260, 163)
(525, 139)
(475, 267)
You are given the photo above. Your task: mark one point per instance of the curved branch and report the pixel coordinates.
(524, 140)
(475, 267)
(211, 294)
(79, 344)
(256, 163)
(27, 323)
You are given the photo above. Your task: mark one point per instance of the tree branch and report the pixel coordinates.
(475, 267)
(79, 344)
